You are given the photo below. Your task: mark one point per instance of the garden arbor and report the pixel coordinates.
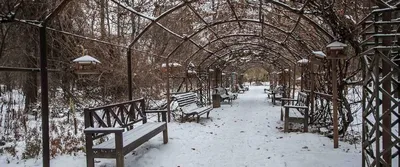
(282, 31)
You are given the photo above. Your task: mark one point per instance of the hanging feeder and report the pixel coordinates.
(86, 65)
(336, 50)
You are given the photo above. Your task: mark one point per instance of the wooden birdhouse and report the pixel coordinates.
(336, 50)
(86, 65)
(318, 57)
(303, 62)
(174, 68)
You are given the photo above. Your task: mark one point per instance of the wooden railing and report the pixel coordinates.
(322, 108)
(121, 115)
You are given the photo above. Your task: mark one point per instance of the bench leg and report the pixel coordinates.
(281, 114)
(165, 135)
(118, 148)
(208, 113)
(286, 124)
(89, 159)
(306, 120)
(198, 118)
(89, 151)
(120, 160)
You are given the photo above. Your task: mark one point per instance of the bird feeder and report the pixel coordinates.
(336, 50)
(303, 62)
(173, 68)
(191, 73)
(86, 65)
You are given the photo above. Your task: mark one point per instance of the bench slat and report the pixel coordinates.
(298, 107)
(132, 135)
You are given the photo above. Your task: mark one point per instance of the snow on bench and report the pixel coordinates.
(120, 119)
(297, 113)
(189, 107)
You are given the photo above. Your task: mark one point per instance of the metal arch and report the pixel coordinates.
(226, 54)
(287, 33)
(279, 65)
(255, 44)
(300, 13)
(251, 44)
(244, 49)
(279, 62)
(253, 63)
(240, 20)
(154, 21)
(263, 58)
(245, 35)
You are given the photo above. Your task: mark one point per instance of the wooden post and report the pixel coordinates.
(386, 99)
(335, 105)
(312, 85)
(186, 78)
(302, 81)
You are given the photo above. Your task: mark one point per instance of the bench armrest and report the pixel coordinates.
(155, 111)
(162, 112)
(288, 99)
(299, 107)
(91, 130)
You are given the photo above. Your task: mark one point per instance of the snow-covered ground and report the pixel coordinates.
(248, 133)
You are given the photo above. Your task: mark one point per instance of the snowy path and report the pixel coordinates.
(244, 134)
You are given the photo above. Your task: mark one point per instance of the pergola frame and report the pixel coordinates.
(371, 65)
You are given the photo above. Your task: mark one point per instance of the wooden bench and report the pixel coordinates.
(223, 93)
(123, 120)
(276, 94)
(297, 113)
(188, 103)
(241, 89)
(231, 94)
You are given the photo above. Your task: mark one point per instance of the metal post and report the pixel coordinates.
(302, 78)
(386, 99)
(209, 85)
(335, 105)
(294, 80)
(45, 95)
(186, 78)
(129, 66)
(168, 91)
(289, 87)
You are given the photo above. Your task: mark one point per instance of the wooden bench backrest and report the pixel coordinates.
(184, 99)
(221, 91)
(121, 115)
(303, 99)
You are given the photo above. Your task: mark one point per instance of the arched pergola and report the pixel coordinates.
(280, 41)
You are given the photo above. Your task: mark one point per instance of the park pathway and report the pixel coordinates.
(248, 133)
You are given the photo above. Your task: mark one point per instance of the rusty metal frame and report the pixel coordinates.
(42, 24)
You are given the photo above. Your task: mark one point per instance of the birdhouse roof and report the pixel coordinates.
(336, 44)
(171, 65)
(86, 59)
(319, 54)
(303, 61)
